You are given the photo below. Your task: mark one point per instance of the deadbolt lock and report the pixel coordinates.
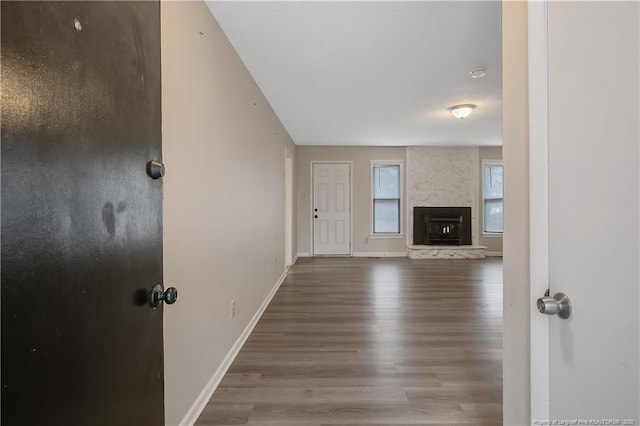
(155, 169)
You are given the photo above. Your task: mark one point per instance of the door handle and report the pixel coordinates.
(559, 305)
(158, 295)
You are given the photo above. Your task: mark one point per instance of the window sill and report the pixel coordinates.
(385, 236)
(492, 235)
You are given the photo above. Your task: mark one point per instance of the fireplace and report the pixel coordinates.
(442, 226)
(442, 230)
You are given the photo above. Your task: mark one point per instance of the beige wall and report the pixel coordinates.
(468, 192)
(515, 150)
(493, 243)
(361, 208)
(223, 199)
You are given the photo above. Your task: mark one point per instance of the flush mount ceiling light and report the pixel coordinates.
(478, 73)
(462, 110)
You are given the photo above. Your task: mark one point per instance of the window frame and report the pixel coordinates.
(484, 164)
(372, 165)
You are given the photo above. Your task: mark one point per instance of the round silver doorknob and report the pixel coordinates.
(559, 305)
(157, 295)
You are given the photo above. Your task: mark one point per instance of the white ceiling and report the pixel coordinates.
(373, 73)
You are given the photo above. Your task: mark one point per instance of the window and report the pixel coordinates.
(492, 194)
(386, 194)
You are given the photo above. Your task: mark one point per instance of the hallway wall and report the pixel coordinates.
(223, 199)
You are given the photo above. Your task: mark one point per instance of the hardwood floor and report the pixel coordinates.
(372, 341)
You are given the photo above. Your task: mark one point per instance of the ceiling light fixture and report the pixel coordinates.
(478, 73)
(462, 110)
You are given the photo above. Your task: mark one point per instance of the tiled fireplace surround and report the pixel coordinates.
(443, 177)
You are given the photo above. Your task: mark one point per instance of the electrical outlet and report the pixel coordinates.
(233, 309)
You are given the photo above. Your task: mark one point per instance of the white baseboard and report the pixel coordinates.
(303, 255)
(380, 254)
(290, 265)
(211, 386)
(493, 254)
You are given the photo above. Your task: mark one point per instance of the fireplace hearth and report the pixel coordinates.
(442, 226)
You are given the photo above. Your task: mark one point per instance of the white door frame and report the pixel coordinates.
(538, 206)
(311, 241)
(288, 207)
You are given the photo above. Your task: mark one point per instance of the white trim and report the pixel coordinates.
(475, 212)
(293, 262)
(380, 254)
(311, 208)
(289, 198)
(350, 163)
(305, 254)
(207, 392)
(538, 206)
(487, 162)
(372, 164)
(493, 253)
(493, 234)
(495, 162)
(385, 236)
(408, 211)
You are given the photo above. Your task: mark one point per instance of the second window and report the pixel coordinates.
(386, 193)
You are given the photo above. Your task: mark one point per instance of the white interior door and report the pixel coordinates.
(331, 209)
(593, 214)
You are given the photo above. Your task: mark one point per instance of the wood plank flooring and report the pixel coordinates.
(372, 341)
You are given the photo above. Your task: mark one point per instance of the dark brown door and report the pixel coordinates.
(81, 220)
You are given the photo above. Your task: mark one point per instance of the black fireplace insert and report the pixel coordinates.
(442, 226)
